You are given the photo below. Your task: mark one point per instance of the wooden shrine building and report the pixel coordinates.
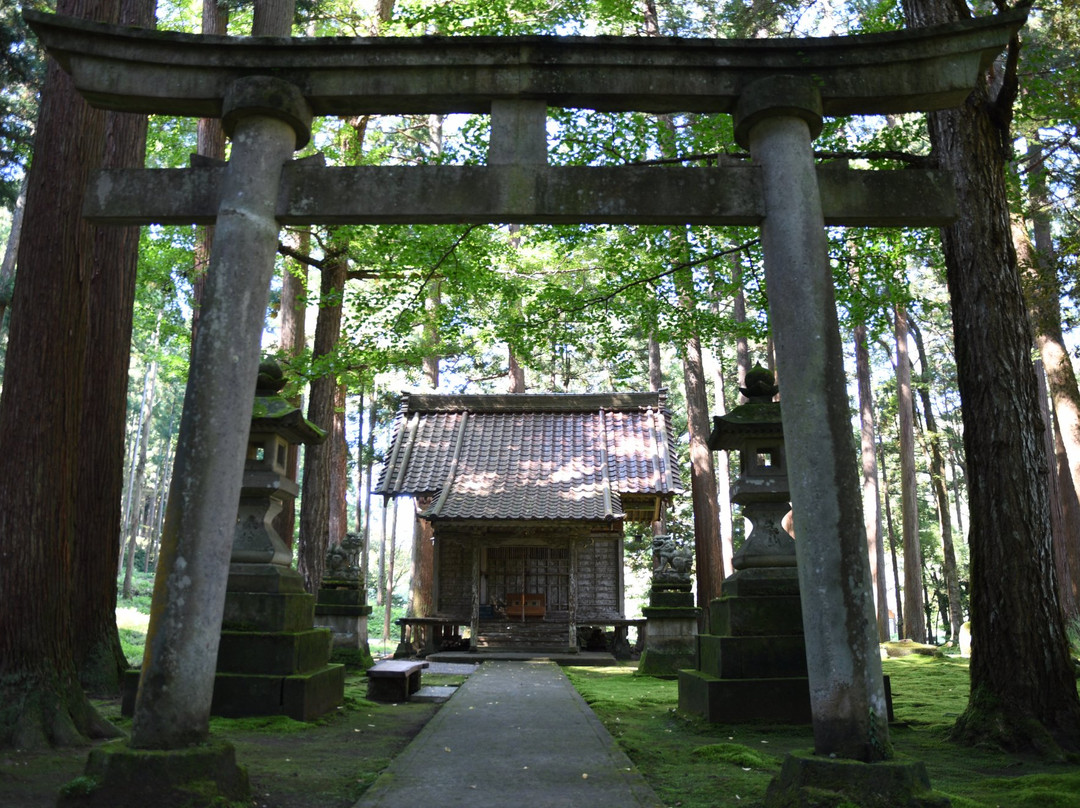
(527, 496)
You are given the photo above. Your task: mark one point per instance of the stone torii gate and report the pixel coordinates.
(266, 91)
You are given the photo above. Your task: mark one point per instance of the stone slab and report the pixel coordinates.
(281, 653)
(762, 582)
(753, 657)
(781, 615)
(165, 72)
(727, 195)
(264, 611)
(786, 701)
(666, 662)
(806, 778)
(174, 778)
(303, 697)
(353, 598)
(434, 694)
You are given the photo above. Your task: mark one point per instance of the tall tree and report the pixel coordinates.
(41, 420)
(99, 658)
(315, 493)
(941, 493)
(914, 625)
(1013, 702)
(875, 541)
(1042, 288)
(210, 145)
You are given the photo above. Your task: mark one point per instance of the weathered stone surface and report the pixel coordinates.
(273, 652)
(725, 195)
(118, 776)
(843, 665)
(808, 781)
(767, 657)
(743, 616)
(303, 696)
(180, 74)
(785, 700)
(261, 611)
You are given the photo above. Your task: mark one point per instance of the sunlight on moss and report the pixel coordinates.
(736, 754)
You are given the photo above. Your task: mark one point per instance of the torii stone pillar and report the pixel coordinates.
(267, 120)
(777, 118)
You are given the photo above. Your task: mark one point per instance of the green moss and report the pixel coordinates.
(354, 659)
(1036, 790)
(81, 786)
(736, 754)
(273, 724)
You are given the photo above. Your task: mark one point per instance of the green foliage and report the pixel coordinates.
(133, 643)
(22, 70)
(1073, 630)
(82, 786)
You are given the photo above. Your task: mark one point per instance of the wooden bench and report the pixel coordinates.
(394, 679)
(526, 604)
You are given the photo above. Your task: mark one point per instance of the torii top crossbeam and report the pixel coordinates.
(184, 74)
(516, 79)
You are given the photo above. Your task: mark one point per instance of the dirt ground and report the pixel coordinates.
(290, 764)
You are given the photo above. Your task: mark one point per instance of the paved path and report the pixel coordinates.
(515, 734)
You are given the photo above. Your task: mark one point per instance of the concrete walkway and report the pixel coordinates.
(516, 733)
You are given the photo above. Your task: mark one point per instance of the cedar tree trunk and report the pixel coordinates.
(41, 419)
(1023, 683)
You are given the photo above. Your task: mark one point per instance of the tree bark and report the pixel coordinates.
(422, 573)
(1023, 683)
(723, 476)
(1062, 498)
(431, 336)
(318, 459)
(1042, 290)
(892, 545)
(915, 625)
(941, 494)
(339, 472)
(293, 314)
(210, 143)
(871, 497)
(41, 419)
(656, 368)
(100, 486)
(369, 461)
(709, 564)
(138, 493)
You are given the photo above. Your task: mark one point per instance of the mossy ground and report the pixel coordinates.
(328, 763)
(691, 763)
(688, 762)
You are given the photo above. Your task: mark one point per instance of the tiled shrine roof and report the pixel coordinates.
(595, 457)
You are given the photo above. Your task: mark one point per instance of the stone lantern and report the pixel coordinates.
(752, 664)
(755, 430)
(272, 658)
(275, 426)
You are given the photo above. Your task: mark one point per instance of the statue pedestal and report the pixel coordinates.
(345, 613)
(670, 633)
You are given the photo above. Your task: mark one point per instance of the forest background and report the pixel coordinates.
(360, 313)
